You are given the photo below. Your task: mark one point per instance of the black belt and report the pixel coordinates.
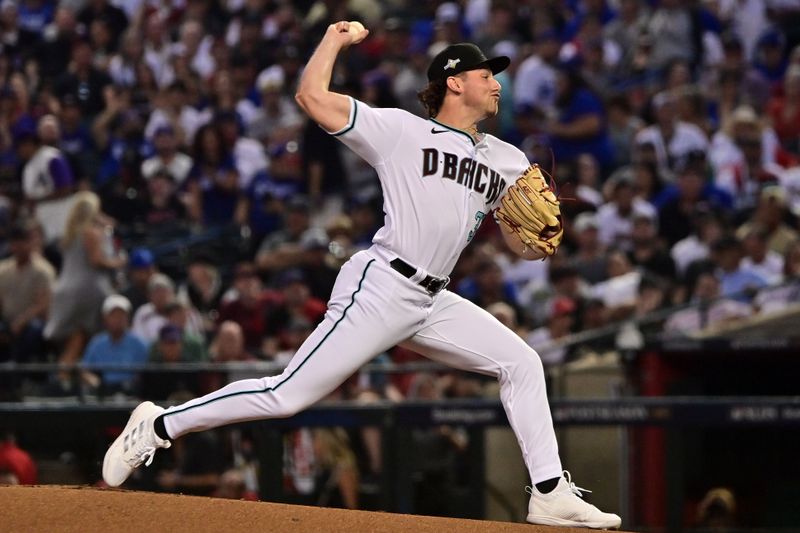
(431, 284)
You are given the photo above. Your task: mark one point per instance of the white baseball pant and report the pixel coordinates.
(373, 308)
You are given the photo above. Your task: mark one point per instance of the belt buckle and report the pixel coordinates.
(435, 285)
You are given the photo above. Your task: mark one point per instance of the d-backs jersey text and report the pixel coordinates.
(438, 183)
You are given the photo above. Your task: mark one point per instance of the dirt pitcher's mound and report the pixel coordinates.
(85, 510)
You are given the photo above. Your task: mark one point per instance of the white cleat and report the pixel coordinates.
(564, 506)
(136, 444)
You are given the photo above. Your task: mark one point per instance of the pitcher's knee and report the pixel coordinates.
(528, 364)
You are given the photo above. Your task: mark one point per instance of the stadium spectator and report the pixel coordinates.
(284, 248)
(759, 258)
(86, 276)
(559, 325)
(216, 200)
(581, 124)
(17, 462)
(248, 306)
(186, 317)
(588, 178)
(717, 510)
(707, 309)
(620, 291)
(615, 218)
(228, 345)
(122, 65)
(173, 108)
(770, 214)
(741, 146)
(707, 228)
(203, 290)
(248, 154)
(47, 179)
(173, 345)
(770, 56)
(141, 267)
(83, 79)
(648, 252)
(116, 346)
(588, 258)
(163, 207)
(778, 298)
(76, 140)
(506, 315)
(535, 82)
(167, 157)
(176, 67)
(784, 111)
(692, 192)
(675, 34)
(26, 286)
(103, 10)
(151, 317)
(672, 139)
(735, 280)
(487, 286)
(623, 124)
(294, 303)
(277, 119)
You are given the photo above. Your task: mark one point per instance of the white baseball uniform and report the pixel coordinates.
(439, 185)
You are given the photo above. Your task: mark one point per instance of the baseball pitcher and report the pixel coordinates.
(441, 179)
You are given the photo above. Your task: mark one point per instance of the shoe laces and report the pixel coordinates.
(576, 490)
(571, 486)
(140, 446)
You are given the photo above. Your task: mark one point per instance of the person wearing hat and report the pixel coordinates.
(115, 345)
(277, 118)
(589, 258)
(284, 248)
(441, 177)
(150, 317)
(770, 213)
(26, 287)
(48, 180)
(173, 346)
(141, 267)
(167, 156)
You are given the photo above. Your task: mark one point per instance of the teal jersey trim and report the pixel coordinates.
(351, 126)
(312, 352)
(455, 130)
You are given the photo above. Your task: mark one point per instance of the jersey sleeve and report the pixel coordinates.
(372, 133)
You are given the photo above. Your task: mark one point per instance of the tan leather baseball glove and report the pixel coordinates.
(531, 209)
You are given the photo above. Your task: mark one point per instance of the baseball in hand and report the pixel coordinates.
(355, 27)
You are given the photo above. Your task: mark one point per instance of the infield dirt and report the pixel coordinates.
(48, 508)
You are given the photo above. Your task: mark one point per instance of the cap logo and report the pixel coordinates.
(451, 63)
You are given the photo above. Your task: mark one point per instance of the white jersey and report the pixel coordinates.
(438, 184)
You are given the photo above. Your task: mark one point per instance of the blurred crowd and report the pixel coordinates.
(163, 199)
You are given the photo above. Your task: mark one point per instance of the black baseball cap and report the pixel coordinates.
(461, 57)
